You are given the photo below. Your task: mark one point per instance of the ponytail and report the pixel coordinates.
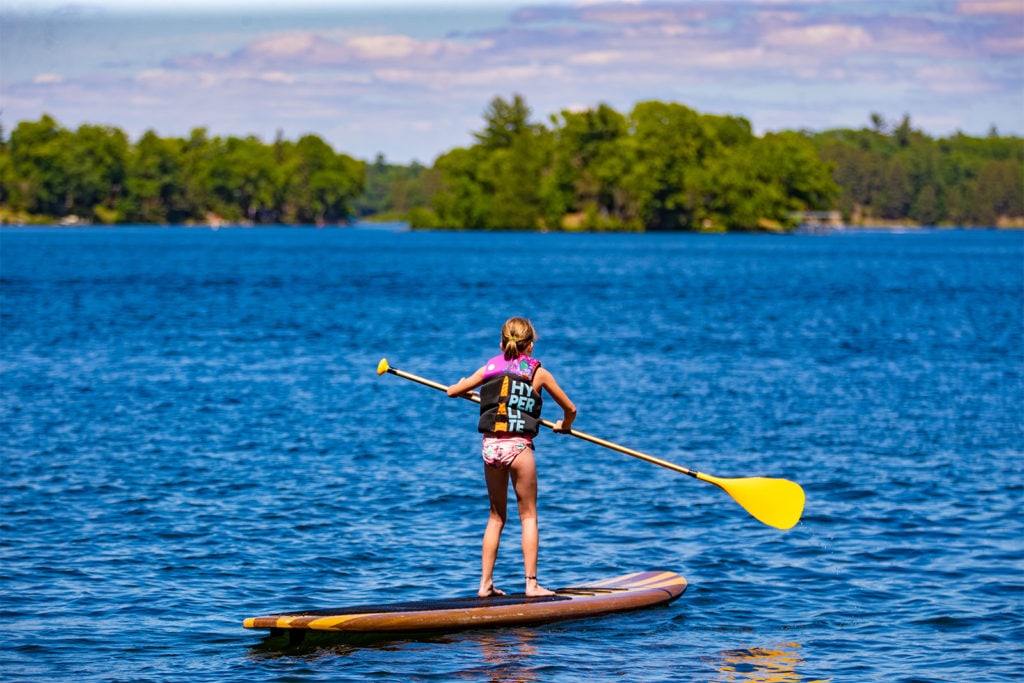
(516, 336)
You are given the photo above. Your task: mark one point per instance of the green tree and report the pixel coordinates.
(461, 201)
(504, 123)
(245, 178)
(40, 182)
(498, 184)
(759, 185)
(392, 190)
(591, 159)
(197, 157)
(155, 187)
(512, 176)
(6, 170)
(997, 192)
(902, 173)
(893, 199)
(321, 185)
(670, 143)
(95, 161)
(927, 210)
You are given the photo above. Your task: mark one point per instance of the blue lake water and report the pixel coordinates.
(194, 433)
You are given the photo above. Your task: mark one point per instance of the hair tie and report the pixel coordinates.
(513, 339)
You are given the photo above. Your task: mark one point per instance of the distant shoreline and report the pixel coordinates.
(403, 226)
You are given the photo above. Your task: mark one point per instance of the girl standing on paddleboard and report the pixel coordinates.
(510, 404)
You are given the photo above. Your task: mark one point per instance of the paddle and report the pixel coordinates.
(775, 502)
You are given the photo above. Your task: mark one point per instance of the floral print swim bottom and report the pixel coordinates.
(501, 452)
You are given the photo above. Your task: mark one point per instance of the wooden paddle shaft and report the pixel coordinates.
(551, 425)
(776, 502)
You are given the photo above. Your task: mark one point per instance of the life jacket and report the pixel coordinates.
(508, 403)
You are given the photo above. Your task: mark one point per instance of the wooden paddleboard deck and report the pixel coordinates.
(620, 594)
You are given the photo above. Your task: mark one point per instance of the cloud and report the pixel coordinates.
(599, 57)
(278, 77)
(639, 50)
(990, 7)
(1013, 46)
(817, 37)
(287, 45)
(488, 77)
(621, 14)
(284, 55)
(391, 47)
(781, 64)
(48, 79)
(952, 80)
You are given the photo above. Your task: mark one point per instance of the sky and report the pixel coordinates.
(411, 79)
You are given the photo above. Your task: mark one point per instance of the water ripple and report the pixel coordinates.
(194, 434)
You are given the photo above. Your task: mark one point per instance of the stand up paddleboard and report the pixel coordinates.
(623, 593)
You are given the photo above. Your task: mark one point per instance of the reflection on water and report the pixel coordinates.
(777, 663)
(314, 643)
(506, 656)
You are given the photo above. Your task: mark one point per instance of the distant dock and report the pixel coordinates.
(815, 222)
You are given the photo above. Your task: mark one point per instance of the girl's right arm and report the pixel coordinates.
(547, 381)
(467, 383)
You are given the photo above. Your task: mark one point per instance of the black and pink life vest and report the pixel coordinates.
(508, 402)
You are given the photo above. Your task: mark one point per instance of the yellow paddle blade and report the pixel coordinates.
(383, 366)
(775, 502)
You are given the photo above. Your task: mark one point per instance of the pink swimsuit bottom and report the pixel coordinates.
(501, 452)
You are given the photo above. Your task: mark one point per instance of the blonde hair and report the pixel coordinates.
(516, 336)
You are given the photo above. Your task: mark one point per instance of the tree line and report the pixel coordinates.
(892, 172)
(664, 166)
(661, 166)
(96, 174)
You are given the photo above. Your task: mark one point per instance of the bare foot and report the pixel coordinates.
(535, 590)
(489, 591)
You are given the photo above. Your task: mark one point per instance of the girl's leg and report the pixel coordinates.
(497, 491)
(524, 480)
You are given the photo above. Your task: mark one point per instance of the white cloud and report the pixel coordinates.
(951, 80)
(974, 7)
(315, 50)
(48, 79)
(161, 78)
(388, 46)
(1013, 46)
(497, 78)
(278, 77)
(599, 57)
(633, 13)
(286, 45)
(677, 30)
(916, 42)
(829, 37)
